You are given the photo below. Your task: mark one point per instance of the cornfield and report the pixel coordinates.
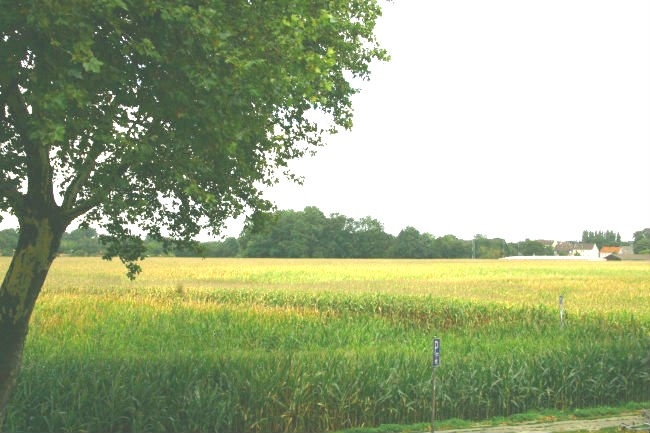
(247, 345)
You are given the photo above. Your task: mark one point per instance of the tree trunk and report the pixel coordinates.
(38, 243)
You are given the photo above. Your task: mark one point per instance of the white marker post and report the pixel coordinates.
(436, 363)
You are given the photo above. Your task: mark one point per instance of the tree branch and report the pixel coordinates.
(17, 109)
(72, 209)
(83, 174)
(39, 172)
(80, 208)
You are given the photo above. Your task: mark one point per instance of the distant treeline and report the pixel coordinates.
(312, 234)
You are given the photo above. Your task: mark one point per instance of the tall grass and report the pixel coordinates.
(273, 346)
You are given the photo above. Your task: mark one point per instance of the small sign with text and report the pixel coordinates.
(436, 352)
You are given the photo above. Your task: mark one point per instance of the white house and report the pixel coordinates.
(581, 249)
(585, 250)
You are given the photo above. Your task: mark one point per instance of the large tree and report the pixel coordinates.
(641, 243)
(164, 115)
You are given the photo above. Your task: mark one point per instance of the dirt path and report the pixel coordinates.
(561, 426)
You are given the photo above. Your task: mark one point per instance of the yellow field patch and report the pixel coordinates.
(586, 286)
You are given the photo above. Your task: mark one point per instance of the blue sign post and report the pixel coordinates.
(436, 363)
(436, 352)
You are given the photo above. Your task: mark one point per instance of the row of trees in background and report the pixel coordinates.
(309, 233)
(602, 239)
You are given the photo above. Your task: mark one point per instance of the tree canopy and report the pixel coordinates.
(642, 241)
(602, 238)
(169, 115)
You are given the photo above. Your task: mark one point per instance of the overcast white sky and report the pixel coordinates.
(507, 118)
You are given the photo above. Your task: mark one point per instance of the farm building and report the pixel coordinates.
(581, 249)
(622, 253)
(627, 250)
(608, 251)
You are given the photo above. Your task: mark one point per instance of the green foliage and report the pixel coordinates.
(369, 239)
(642, 241)
(169, 116)
(8, 241)
(310, 234)
(128, 248)
(229, 247)
(81, 242)
(485, 248)
(452, 247)
(410, 243)
(601, 239)
(533, 248)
